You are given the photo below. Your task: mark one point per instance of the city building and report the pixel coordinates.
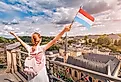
(104, 64)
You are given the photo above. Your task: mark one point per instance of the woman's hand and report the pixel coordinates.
(13, 33)
(67, 28)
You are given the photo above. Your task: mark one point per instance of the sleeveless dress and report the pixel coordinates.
(40, 59)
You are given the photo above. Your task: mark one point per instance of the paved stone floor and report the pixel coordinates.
(7, 77)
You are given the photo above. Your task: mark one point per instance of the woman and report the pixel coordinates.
(39, 53)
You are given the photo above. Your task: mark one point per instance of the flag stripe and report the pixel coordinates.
(79, 15)
(83, 22)
(86, 14)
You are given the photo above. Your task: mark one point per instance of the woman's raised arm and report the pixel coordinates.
(22, 43)
(66, 29)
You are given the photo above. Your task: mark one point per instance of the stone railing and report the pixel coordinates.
(20, 66)
(16, 58)
(56, 67)
(15, 63)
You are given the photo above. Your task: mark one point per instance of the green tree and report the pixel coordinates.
(113, 48)
(100, 40)
(54, 47)
(2, 40)
(107, 41)
(119, 43)
(116, 43)
(90, 40)
(26, 39)
(71, 41)
(85, 38)
(104, 40)
(99, 46)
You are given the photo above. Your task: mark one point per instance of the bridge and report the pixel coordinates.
(15, 65)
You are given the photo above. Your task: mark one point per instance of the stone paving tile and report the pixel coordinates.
(7, 77)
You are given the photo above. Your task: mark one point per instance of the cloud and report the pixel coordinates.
(49, 16)
(64, 15)
(8, 28)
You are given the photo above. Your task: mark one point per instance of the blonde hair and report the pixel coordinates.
(37, 34)
(33, 39)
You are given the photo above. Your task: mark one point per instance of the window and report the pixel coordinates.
(69, 71)
(82, 74)
(90, 79)
(75, 73)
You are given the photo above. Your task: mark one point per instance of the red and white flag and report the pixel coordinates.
(84, 18)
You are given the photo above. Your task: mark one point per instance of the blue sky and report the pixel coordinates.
(48, 17)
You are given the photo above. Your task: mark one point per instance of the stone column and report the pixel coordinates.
(11, 61)
(9, 65)
(14, 62)
(11, 56)
(19, 61)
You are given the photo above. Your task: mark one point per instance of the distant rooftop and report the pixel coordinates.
(95, 62)
(93, 36)
(114, 36)
(59, 59)
(98, 57)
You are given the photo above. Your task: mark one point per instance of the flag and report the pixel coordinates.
(84, 18)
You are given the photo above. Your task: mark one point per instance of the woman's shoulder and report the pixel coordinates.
(42, 47)
(28, 47)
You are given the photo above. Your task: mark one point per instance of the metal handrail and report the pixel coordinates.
(108, 77)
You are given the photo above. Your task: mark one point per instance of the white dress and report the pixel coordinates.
(41, 77)
(42, 74)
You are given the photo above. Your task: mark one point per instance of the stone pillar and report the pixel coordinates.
(78, 75)
(9, 65)
(109, 71)
(11, 61)
(14, 62)
(51, 70)
(11, 56)
(19, 61)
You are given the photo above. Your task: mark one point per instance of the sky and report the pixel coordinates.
(48, 17)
